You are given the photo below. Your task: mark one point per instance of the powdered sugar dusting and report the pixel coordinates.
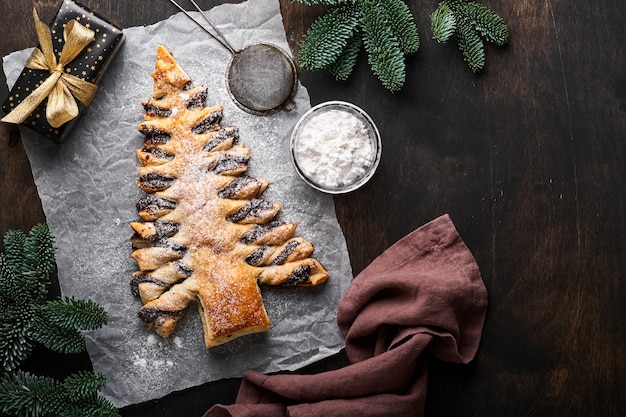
(88, 190)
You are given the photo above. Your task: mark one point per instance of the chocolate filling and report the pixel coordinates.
(230, 163)
(198, 99)
(155, 316)
(259, 231)
(155, 182)
(153, 110)
(221, 136)
(205, 125)
(299, 276)
(154, 135)
(235, 186)
(176, 247)
(158, 153)
(184, 269)
(138, 279)
(164, 229)
(257, 256)
(152, 203)
(254, 208)
(282, 257)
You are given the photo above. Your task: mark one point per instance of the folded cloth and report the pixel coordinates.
(423, 295)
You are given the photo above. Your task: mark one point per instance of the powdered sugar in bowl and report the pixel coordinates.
(335, 147)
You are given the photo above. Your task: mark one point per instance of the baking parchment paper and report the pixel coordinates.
(88, 191)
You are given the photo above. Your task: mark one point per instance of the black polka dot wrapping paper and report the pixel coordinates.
(90, 65)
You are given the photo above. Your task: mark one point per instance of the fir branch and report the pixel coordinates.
(7, 283)
(16, 344)
(401, 23)
(29, 262)
(344, 65)
(39, 251)
(387, 32)
(22, 289)
(488, 23)
(443, 23)
(5, 273)
(325, 40)
(24, 394)
(14, 241)
(57, 338)
(29, 319)
(76, 314)
(470, 45)
(385, 28)
(469, 21)
(384, 54)
(93, 407)
(83, 385)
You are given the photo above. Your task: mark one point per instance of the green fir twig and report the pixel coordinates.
(386, 30)
(470, 22)
(29, 318)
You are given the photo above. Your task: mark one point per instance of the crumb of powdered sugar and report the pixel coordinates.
(178, 342)
(140, 362)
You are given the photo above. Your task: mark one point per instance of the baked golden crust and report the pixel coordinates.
(206, 234)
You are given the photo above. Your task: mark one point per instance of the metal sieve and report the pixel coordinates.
(261, 78)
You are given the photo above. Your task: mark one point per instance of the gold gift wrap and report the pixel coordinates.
(60, 77)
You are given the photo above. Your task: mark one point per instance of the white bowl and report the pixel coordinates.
(335, 147)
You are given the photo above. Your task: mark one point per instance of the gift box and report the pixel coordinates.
(61, 76)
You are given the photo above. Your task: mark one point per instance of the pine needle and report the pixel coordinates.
(326, 39)
(443, 23)
(24, 394)
(384, 28)
(344, 65)
(76, 314)
(471, 45)
(14, 241)
(39, 251)
(15, 344)
(400, 20)
(490, 25)
(469, 20)
(83, 385)
(384, 54)
(388, 32)
(28, 319)
(59, 339)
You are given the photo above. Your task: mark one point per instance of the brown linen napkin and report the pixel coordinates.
(423, 294)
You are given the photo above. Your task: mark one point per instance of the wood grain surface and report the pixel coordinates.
(528, 158)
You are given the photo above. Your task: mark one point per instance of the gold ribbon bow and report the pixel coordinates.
(60, 88)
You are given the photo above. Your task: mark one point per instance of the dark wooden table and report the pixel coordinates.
(528, 158)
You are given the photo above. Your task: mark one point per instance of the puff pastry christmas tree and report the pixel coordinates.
(206, 234)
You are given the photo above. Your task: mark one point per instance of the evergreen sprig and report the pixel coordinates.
(30, 318)
(470, 22)
(73, 313)
(401, 23)
(81, 385)
(383, 49)
(328, 37)
(386, 30)
(24, 395)
(342, 67)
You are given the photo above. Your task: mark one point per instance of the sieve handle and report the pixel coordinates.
(219, 37)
